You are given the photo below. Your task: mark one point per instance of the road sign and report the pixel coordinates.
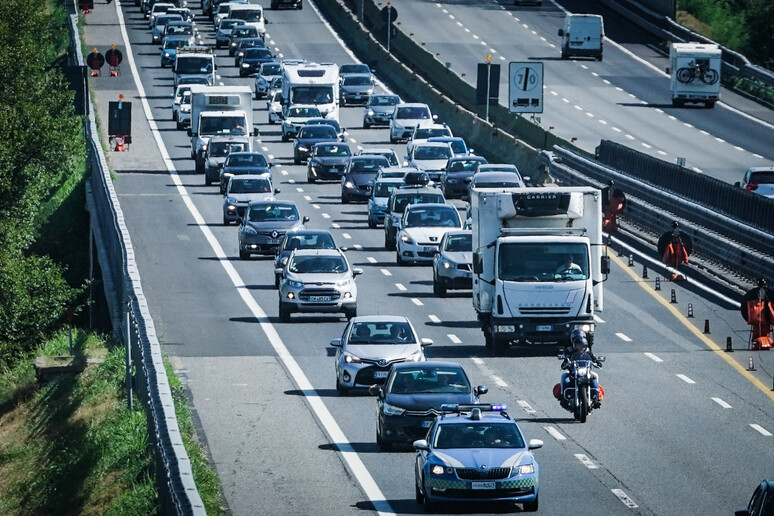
(389, 14)
(525, 87)
(488, 80)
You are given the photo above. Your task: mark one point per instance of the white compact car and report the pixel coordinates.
(421, 230)
(406, 117)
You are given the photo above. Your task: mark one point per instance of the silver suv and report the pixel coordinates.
(317, 280)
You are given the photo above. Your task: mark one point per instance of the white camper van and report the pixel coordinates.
(582, 35)
(694, 73)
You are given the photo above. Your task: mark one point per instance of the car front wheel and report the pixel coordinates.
(284, 313)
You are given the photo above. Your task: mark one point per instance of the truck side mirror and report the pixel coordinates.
(255, 131)
(561, 32)
(478, 263)
(604, 265)
(190, 133)
(738, 184)
(668, 70)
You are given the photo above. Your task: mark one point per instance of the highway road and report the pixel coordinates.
(624, 98)
(684, 428)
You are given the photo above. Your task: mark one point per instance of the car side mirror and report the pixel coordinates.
(336, 343)
(561, 356)
(427, 342)
(668, 70)
(276, 190)
(376, 390)
(305, 219)
(190, 132)
(465, 198)
(357, 272)
(421, 444)
(561, 32)
(256, 132)
(604, 266)
(435, 117)
(279, 271)
(480, 390)
(534, 444)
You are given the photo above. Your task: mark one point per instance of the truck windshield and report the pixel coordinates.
(193, 65)
(312, 95)
(223, 125)
(543, 262)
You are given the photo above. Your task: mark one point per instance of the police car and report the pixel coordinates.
(476, 452)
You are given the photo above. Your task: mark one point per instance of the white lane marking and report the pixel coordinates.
(454, 338)
(576, 106)
(585, 461)
(685, 379)
(499, 381)
(401, 287)
(417, 301)
(721, 402)
(308, 197)
(459, 24)
(759, 428)
(292, 181)
(335, 434)
(555, 433)
(646, 145)
(434, 318)
(662, 152)
(527, 407)
(347, 236)
(616, 129)
(624, 498)
(265, 149)
(371, 259)
(603, 122)
(316, 206)
(299, 189)
(629, 136)
(599, 319)
(358, 247)
(697, 169)
(623, 337)
(284, 172)
(653, 357)
(325, 215)
(334, 225)
(386, 272)
(477, 360)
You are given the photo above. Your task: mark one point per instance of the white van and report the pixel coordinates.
(582, 35)
(251, 14)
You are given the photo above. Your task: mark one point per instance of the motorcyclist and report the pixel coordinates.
(580, 349)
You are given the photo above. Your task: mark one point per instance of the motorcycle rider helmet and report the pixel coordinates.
(579, 341)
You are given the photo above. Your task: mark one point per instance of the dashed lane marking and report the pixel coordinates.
(527, 407)
(371, 259)
(347, 236)
(386, 272)
(721, 402)
(553, 432)
(623, 337)
(685, 379)
(500, 383)
(653, 357)
(434, 318)
(761, 430)
(454, 338)
(621, 495)
(401, 287)
(585, 461)
(417, 301)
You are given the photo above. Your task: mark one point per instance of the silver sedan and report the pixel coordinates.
(453, 263)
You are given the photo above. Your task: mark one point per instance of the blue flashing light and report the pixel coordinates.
(498, 408)
(450, 407)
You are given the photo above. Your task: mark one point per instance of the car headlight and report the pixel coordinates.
(351, 359)
(302, 148)
(369, 92)
(203, 148)
(249, 231)
(245, 65)
(392, 410)
(233, 43)
(586, 327)
(526, 469)
(231, 207)
(166, 54)
(447, 264)
(370, 112)
(295, 284)
(343, 283)
(406, 239)
(349, 184)
(437, 469)
(185, 109)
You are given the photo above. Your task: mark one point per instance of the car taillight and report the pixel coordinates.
(752, 186)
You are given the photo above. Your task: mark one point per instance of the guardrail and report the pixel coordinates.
(132, 320)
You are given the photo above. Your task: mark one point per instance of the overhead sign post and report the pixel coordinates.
(525, 87)
(488, 84)
(389, 15)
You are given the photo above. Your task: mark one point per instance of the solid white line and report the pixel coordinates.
(760, 429)
(401, 287)
(386, 272)
(555, 433)
(499, 381)
(685, 379)
(585, 461)
(454, 338)
(371, 259)
(434, 318)
(625, 498)
(653, 357)
(623, 337)
(417, 301)
(721, 402)
(335, 434)
(527, 407)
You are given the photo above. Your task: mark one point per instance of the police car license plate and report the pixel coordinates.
(426, 424)
(380, 374)
(483, 485)
(319, 299)
(545, 327)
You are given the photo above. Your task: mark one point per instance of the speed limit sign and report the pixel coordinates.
(525, 87)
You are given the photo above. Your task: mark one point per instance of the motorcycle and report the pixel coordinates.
(579, 392)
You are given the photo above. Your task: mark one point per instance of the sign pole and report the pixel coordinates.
(488, 83)
(389, 25)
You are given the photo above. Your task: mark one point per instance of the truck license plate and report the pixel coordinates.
(545, 327)
(319, 299)
(483, 485)
(380, 374)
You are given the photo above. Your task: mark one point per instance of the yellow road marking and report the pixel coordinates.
(691, 327)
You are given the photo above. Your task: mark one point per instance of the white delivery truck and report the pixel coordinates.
(251, 14)
(582, 35)
(218, 110)
(311, 83)
(195, 62)
(538, 263)
(694, 70)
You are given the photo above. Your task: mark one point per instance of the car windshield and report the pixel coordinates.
(271, 69)
(174, 43)
(193, 64)
(413, 113)
(354, 68)
(244, 32)
(333, 150)
(258, 53)
(433, 217)
(367, 165)
(764, 177)
(303, 112)
(272, 212)
(310, 241)
(429, 379)
(248, 15)
(383, 189)
(221, 149)
(180, 29)
(401, 201)
(229, 24)
(479, 435)
(252, 43)
(429, 132)
(389, 156)
(392, 332)
(325, 121)
(384, 100)
(428, 152)
(463, 164)
(250, 186)
(458, 146)
(542, 262)
(186, 98)
(459, 243)
(357, 81)
(317, 131)
(317, 265)
(247, 160)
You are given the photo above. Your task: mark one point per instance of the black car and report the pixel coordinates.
(331, 122)
(359, 176)
(300, 239)
(762, 501)
(327, 161)
(310, 135)
(244, 44)
(239, 33)
(264, 225)
(459, 171)
(241, 163)
(412, 396)
(252, 60)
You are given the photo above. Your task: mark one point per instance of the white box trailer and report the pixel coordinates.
(312, 83)
(694, 70)
(524, 291)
